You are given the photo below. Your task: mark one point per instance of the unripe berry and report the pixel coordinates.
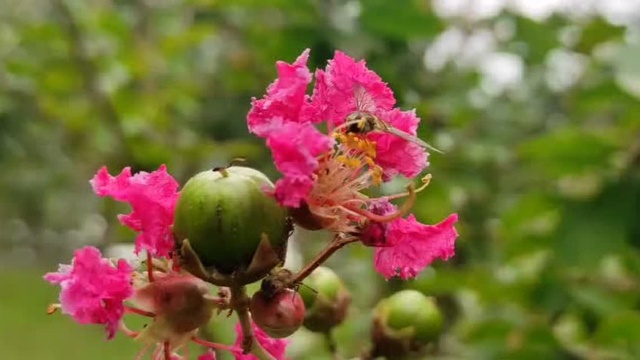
(326, 299)
(405, 322)
(410, 308)
(226, 217)
(280, 315)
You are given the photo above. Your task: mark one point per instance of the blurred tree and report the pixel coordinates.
(536, 109)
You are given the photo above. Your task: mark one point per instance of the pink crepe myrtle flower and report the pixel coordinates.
(152, 196)
(285, 100)
(348, 87)
(209, 355)
(396, 155)
(296, 148)
(276, 347)
(324, 175)
(404, 247)
(94, 288)
(295, 143)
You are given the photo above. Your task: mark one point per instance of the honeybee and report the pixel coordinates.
(362, 121)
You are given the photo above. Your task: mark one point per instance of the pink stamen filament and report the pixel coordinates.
(128, 332)
(406, 206)
(150, 267)
(157, 353)
(133, 310)
(167, 351)
(216, 346)
(142, 352)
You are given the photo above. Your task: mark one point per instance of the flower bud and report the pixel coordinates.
(326, 299)
(404, 323)
(227, 224)
(179, 304)
(280, 315)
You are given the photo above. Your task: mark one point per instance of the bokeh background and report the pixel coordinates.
(534, 102)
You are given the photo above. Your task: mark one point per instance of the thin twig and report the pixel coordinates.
(167, 350)
(240, 302)
(338, 242)
(332, 345)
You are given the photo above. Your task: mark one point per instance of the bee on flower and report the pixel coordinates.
(326, 176)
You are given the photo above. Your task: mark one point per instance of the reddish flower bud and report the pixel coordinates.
(179, 304)
(280, 315)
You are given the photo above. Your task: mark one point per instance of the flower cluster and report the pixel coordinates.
(325, 175)
(326, 178)
(96, 290)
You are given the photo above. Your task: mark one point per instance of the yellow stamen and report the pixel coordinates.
(425, 182)
(377, 175)
(53, 308)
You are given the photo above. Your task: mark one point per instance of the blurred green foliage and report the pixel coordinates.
(540, 122)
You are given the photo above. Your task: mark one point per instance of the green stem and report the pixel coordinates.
(332, 345)
(222, 170)
(240, 303)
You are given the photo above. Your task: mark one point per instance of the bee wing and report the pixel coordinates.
(403, 135)
(363, 101)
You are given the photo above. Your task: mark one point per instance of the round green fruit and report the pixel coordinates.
(323, 282)
(225, 214)
(410, 309)
(326, 298)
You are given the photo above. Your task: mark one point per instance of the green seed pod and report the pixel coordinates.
(405, 322)
(231, 225)
(326, 299)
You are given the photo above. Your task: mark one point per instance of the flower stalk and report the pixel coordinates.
(336, 244)
(240, 304)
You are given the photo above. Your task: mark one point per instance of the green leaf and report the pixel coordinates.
(590, 230)
(568, 151)
(621, 332)
(400, 19)
(597, 32)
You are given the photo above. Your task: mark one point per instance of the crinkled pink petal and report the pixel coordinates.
(347, 86)
(153, 198)
(415, 246)
(94, 289)
(209, 355)
(290, 191)
(395, 154)
(284, 99)
(295, 148)
(276, 347)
